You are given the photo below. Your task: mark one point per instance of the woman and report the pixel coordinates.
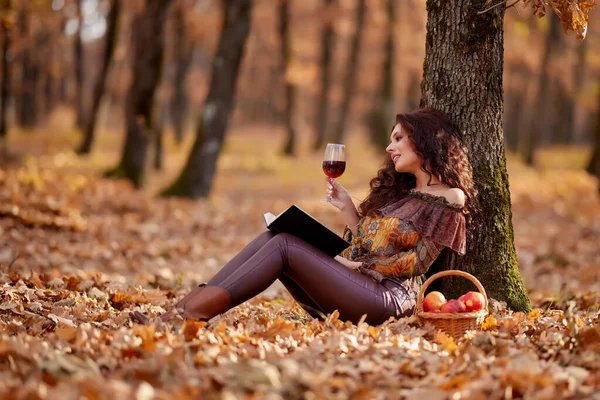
(417, 207)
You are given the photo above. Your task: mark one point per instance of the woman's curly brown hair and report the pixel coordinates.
(437, 140)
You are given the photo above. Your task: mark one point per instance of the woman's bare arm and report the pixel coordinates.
(348, 263)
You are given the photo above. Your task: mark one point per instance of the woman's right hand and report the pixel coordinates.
(338, 195)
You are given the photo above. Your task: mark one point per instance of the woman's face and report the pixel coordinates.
(402, 152)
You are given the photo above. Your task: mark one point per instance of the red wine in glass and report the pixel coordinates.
(334, 169)
(334, 162)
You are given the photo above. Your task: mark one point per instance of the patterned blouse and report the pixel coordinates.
(405, 238)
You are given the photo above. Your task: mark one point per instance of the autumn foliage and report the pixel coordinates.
(79, 252)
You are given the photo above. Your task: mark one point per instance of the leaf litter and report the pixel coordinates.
(79, 253)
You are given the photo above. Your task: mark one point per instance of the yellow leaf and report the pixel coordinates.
(534, 314)
(120, 297)
(146, 333)
(489, 323)
(374, 332)
(445, 340)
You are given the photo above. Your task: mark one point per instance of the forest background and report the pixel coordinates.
(79, 250)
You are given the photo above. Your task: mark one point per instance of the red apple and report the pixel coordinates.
(433, 301)
(474, 301)
(454, 306)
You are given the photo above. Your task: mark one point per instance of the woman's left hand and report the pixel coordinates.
(347, 263)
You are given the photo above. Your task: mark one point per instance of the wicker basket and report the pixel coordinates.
(453, 324)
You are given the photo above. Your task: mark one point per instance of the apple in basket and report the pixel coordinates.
(454, 306)
(474, 301)
(433, 301)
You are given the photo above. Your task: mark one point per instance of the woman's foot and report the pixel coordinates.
(143, 319)
(201, 303)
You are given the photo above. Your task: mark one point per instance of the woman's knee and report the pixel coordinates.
(287, 239)
(266, 235)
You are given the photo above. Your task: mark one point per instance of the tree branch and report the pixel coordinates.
(498, 5)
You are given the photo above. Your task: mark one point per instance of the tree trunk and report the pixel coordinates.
(350, 78)
(184, 54)
(286, 50)
(112, 21)
(148, 48)
(6, 80)
(78, 63)
(159, 129)
(463, 77)
(516, 97)
(578, 79)
(537, 122)
(413, 91)
(594, 165)
(27, 111)
(322, 103)
(50, 45)
(382, 115)
(197, 175)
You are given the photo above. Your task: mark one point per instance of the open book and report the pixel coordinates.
(298, 222)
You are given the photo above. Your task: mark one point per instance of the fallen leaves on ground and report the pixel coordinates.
(79, 253)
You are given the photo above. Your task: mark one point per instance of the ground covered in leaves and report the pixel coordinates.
(78, 252)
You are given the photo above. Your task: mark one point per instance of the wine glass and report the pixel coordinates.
(334, 162)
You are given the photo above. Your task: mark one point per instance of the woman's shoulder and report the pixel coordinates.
(455, 196)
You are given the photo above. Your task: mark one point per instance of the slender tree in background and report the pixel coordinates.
(594, 165)
(148, 48)
(183, 55)
(27, 108)
(382, 115)
(78, 66)
(158, 125)
(6, 25)
(196, 178)
(325, 61)
(112, 22)
(350, 78)
(537, 122)
(289, 89)
(463, 77)
(516, 96)
(578, 75)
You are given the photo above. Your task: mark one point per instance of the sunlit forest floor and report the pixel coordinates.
(78, 252)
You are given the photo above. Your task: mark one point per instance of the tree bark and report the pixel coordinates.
(463, 77)
(350, 78)
(537, 122)
(197, 175)
(322, 103)
(78, 64)
(184, 54)
(286, 50)
(382, 115)
(112, 21)
(6, 81)
(148, 48)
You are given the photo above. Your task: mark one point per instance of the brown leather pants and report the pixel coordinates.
(318, 282)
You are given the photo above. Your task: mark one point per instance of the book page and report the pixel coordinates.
(269, 218)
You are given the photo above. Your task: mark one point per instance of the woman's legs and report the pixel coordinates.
(329, 284)
(251, 248)
(231, 266)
